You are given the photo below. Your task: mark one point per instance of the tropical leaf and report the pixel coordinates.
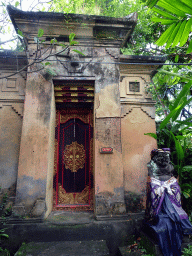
(181, 106)
(186, 195)
(62, 44)
(73, 43)
(186, 120)
(178, 147)
(187, 2)
(187, 168)
(172, 36)
(79, 52)
(185, 123)
(167, 118)
(17, 4)
(153, 135)
(182, 94)
(186, 32)
(151, 3)
(175, 112)
(179, 33)
(40, 32)
(163, 13)
(175, 127)
(170, 8)
(176, 59)
(181, 6)
(165, 36)
(54, 40)
(4, 235)
(71, 37)
(19, 32)
(164, 21)
(189, 50)
(47, 63)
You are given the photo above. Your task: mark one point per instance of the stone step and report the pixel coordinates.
(66, 248)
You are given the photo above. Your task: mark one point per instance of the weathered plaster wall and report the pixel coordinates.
(12, 91)
(10, 130)
(136, 149)
(49, 187)
(137, 118)
(34, 162)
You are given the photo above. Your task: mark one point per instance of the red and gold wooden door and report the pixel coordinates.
(74, 169)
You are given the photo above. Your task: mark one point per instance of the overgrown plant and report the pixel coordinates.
(3, 235)
(176, 15)
(187, 251)
(176, 134)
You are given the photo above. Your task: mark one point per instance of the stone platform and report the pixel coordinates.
(63, 227)
(69, 248)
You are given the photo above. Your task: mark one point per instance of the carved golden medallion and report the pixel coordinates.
(74, 156)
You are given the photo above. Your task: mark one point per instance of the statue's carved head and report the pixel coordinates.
(160, 163)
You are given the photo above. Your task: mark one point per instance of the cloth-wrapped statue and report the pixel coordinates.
(166, 221)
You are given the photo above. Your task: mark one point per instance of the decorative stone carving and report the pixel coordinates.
(149, 110)
(166, 220)
(18, 108)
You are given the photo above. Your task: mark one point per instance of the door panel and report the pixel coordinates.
(74, 175)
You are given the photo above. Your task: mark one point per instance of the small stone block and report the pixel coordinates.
(38, 209)
(18, 211)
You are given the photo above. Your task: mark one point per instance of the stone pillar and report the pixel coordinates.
(35, 170)
(109, 187)
(137, 118)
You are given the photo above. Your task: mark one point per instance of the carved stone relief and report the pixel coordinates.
(132, 86)
(12, 87)
(149, 110)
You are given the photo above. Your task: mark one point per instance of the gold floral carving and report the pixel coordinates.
(65, 117)
(63, 197)
(74, 156)
(73, 198)
(83, 197)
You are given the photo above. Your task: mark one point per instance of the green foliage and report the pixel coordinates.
(187, 251)
(3, 235)
(171, 88)
(40, 32)
(177, 15)
(4, 252)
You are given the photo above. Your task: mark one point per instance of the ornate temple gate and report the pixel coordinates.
(73, 177)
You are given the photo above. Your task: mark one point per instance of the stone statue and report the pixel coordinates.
(166, 221)
(160, 166)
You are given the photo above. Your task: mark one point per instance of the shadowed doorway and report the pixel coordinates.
(73, 176)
